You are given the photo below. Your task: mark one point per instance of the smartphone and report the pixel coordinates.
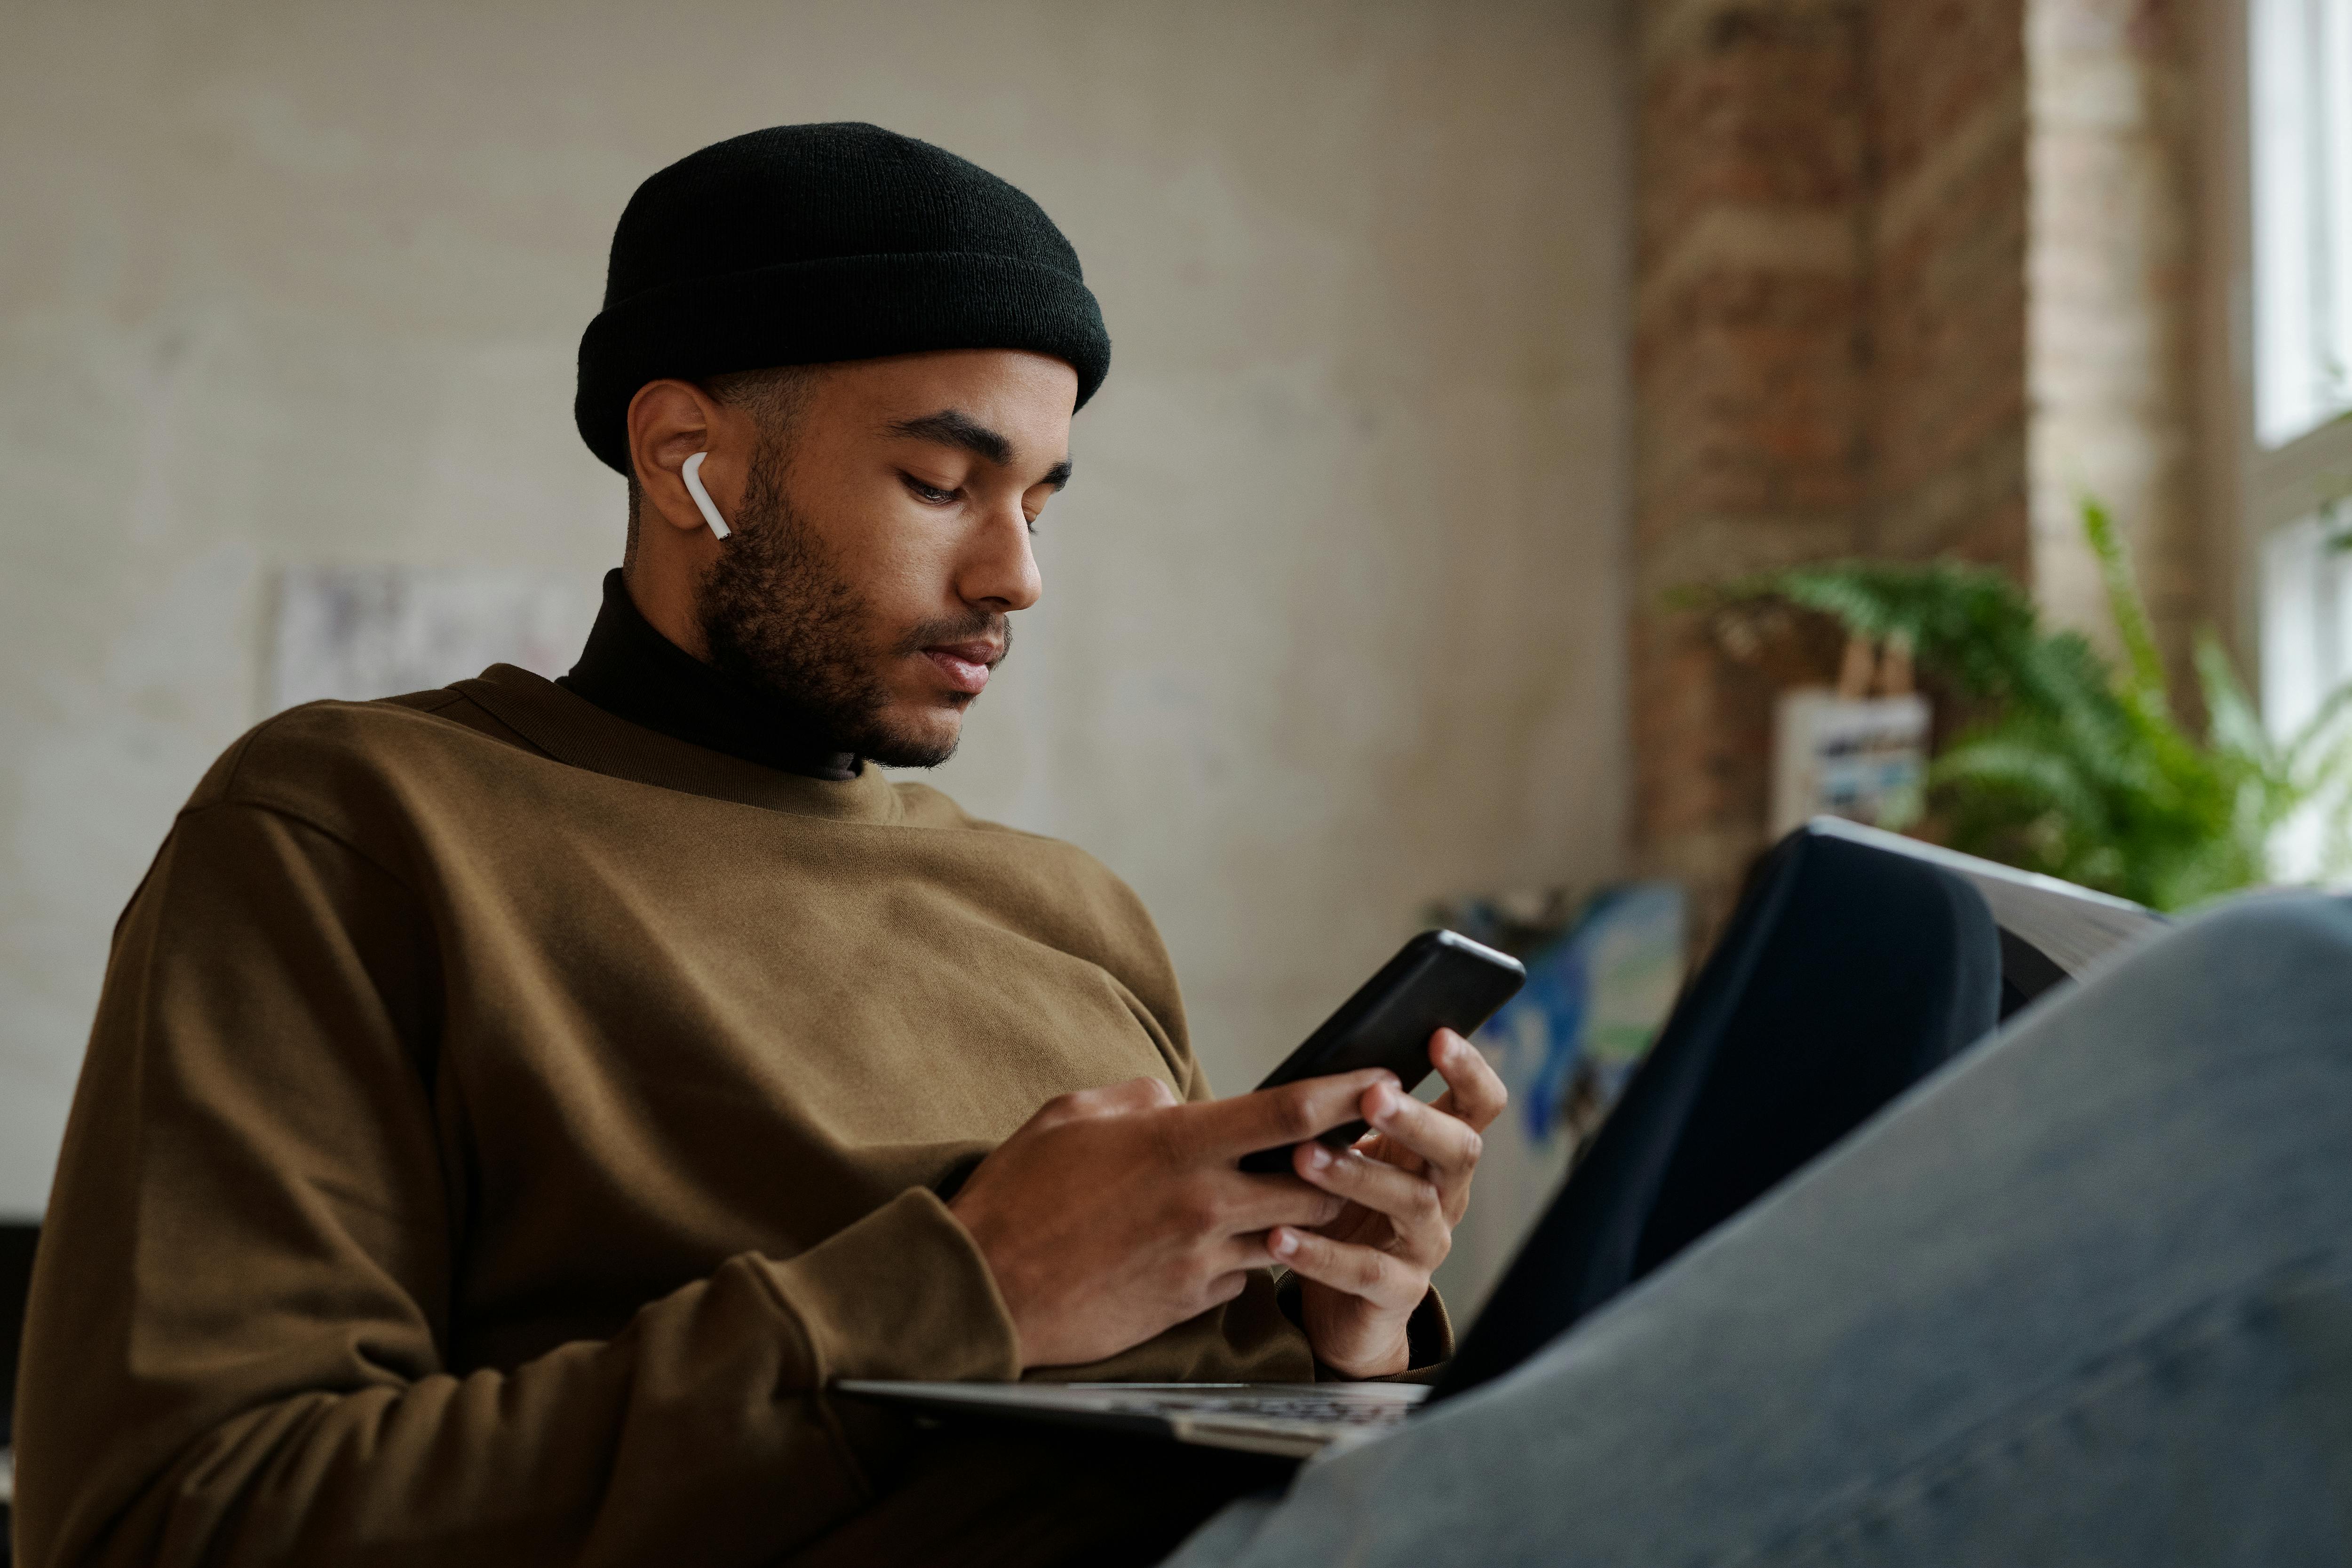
(1439, 980)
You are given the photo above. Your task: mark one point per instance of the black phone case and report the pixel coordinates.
(1437, 981)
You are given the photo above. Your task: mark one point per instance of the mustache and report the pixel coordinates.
(992, 625)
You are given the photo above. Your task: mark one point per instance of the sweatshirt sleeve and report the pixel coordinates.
(236, 1348)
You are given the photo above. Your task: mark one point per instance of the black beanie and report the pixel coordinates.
(803, 244)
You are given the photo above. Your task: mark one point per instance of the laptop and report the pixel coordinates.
(2025, 936)
(1291, 1420)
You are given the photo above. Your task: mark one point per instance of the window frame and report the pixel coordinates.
(2259, 493)
(2291, 481)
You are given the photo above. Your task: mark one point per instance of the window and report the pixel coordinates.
(2306, 619)
(2298, 126)
(2301, 132)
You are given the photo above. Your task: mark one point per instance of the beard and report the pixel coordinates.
(779, 613)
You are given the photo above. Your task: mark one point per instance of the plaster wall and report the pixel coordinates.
(1333, 620)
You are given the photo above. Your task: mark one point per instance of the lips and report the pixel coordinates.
(964, 664)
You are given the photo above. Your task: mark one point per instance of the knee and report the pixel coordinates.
(2271, 954)
(2308, 923)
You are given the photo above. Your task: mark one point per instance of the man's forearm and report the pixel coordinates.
(698, 1433)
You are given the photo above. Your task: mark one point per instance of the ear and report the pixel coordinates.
(669, 421)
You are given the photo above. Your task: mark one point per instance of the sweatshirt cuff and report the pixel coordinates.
(903, 1293)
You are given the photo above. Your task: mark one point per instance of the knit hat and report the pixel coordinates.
(805, 244)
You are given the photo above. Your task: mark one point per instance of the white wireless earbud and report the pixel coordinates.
(692, 475)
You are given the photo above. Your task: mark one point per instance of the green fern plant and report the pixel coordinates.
(2078, 766)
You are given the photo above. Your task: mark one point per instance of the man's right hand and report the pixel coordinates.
(1115, 1213)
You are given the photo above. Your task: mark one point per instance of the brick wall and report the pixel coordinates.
(1749, 372)
(1861, 326)
(1948, 247)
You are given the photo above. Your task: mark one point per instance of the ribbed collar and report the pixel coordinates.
(632, 671)
(574, 730)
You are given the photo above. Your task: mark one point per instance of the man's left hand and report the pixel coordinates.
(1407, 1183)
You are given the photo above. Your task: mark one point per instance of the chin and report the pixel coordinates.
(914, 741)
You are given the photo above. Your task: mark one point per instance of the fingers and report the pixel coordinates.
(1445, 1147)
(1388, 1283)
(1414, 1204)
(1269, 1118)
(1446, 1142)
(1241, 1204)
(1473, 1091)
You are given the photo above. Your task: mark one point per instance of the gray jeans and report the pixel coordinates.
(2083, 1297)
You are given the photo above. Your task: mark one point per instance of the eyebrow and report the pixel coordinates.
(954, 427)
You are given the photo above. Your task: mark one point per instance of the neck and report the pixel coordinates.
(664, 573)
(635, 672)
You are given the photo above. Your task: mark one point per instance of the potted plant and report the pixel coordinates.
(2063, 761)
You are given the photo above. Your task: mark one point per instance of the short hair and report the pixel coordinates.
(773, 397)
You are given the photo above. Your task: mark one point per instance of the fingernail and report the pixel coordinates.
(1318, 1156)
(1284, 1244)
(1383, 1102)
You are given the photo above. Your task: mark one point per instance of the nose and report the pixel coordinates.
(999, 570)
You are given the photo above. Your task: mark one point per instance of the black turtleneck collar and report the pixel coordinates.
(632, 672)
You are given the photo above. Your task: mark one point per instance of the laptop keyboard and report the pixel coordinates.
(1272, 1408)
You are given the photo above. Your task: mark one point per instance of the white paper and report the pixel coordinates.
(354, 632)
(1861, 758)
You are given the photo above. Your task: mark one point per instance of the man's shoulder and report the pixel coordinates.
(307, 756)
(927, 806)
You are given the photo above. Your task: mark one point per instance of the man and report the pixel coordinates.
(510, 1106)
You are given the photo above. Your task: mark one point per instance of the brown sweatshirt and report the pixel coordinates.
(502, 1121)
